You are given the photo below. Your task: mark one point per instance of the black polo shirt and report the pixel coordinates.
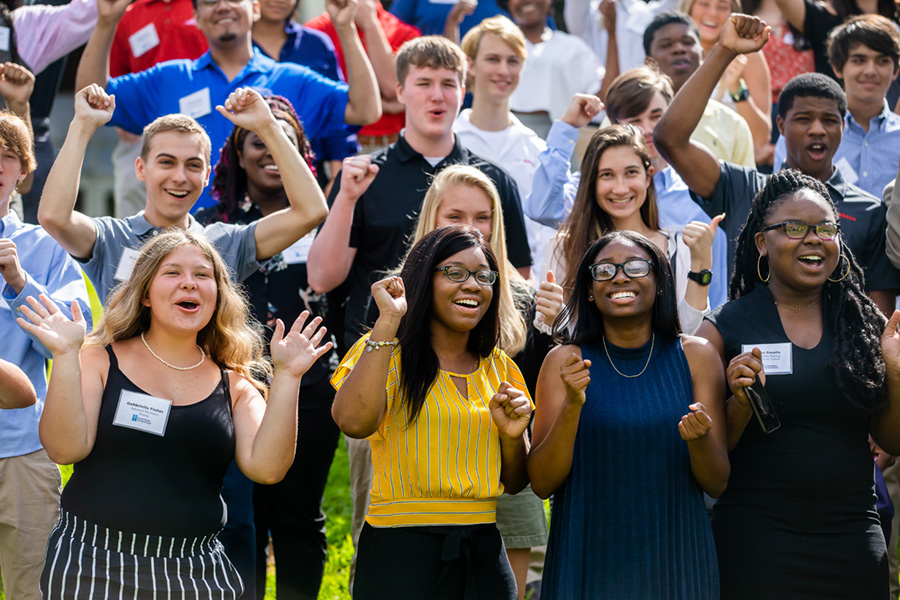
(386, 214)
(862, 215)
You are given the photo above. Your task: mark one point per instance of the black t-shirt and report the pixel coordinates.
(386, 214)
(862, 216)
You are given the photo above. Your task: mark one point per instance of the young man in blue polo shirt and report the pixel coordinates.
(195, 87)
(811, 113)
(865, 54)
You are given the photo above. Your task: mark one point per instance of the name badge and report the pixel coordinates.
(142, 412)
(443, 1)
(143, 40)
(776, 358)
(195, 105)
(298, 252)
(126, 264)
(4, 39)
(846, 170)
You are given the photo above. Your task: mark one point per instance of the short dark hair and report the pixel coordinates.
(631, 92)
(811, 85)
(873, 31)
(586, 317)
(418, 362)
(667, 18)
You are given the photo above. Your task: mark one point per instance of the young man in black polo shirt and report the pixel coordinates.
(811, 113)
(372, 218)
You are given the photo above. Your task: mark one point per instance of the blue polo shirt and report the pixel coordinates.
(429, 16)
(195, 87)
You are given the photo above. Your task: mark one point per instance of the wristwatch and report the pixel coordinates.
(742, 94)
(703, 277)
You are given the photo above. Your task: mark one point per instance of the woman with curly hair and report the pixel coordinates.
(798, 518)
(151, 410)
(247, 187)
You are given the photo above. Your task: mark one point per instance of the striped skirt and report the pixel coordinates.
(85, 560)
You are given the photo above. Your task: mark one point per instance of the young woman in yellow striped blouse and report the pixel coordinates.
(445, 411)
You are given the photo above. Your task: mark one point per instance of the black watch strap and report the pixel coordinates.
(703, 277)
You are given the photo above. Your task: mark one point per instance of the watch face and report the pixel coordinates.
(703, 277)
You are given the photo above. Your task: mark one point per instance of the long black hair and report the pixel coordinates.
(580, 320)
(418, 362)
(856, 320)
(229, 185)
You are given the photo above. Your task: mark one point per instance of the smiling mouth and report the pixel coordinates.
(622, 295)
(271, 168)
(178, 193)
(621, 200)
(811, 260)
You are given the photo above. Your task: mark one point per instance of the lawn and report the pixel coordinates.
(340, 547)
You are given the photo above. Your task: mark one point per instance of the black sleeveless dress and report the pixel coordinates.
(798, 519)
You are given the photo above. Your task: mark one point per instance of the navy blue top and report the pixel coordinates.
(629, 521)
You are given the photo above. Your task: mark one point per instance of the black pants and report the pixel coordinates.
(460, 562)
(291, 510)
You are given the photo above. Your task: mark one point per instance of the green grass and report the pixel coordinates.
(337, 507)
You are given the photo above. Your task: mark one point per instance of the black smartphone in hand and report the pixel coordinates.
(762, 407)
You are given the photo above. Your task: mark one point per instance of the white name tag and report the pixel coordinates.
(142, 412)
(846, 170)
(776, 358)
(298, 252)
(143, 40)
(195, 105)
(4, 38)
(126, 264)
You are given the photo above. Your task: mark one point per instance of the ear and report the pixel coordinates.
(240, 156)
(256, 11)
(760, 241)
(145, 301)
(839, 72)
(400, 98)
(471, 64)
(139, 169)
(206, 179)
(650, 172)
(779, 122)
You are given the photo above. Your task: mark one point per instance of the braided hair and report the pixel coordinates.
(229, 185)
(856, 320)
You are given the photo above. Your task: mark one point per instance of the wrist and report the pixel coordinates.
(348, 29)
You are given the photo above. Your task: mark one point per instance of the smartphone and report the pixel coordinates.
(762, 407)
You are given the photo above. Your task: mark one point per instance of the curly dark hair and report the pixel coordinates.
(229, 185)
(856, 320)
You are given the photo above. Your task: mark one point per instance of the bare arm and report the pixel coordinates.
(704, 429)
(56, 212)
(360, 403)
(266, 431)
(699, 169)
(378, 49)
(559, 398)
(16, 390)
(608, 10)
(885, 299)
(511, 413)
(16, 86)
(307, 208)
(757, 109)
(331, 256)
(364, 101)
(794, 12)
(94, 64)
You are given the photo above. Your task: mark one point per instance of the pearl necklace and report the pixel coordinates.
(170, 365)
(652, 342)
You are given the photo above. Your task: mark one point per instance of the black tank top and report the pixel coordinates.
(168, 485)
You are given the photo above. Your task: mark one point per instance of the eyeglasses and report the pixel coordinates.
(460, 274)
(797, 230)
(634, 268)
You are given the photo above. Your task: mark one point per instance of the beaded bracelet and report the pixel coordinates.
(370, 345)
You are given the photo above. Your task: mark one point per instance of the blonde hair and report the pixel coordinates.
(500, 26)
(230, 339)
(687, 5)
(513, 329)
(432, 52)
(181, 124)
(15, 136)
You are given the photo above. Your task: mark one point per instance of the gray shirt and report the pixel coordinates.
(119, 239)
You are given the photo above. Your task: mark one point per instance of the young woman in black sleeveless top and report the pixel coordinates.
(798, 518)
(151, 411)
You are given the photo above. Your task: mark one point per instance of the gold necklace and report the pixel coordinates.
(796, 309)
(652, 342)
(170, 365)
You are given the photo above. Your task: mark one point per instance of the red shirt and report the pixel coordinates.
(397, 33)
(154, 31)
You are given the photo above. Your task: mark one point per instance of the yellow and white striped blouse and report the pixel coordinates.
(444, 469)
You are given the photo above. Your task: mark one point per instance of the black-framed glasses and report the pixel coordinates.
(634, 268)
(797, 230)
(460, 274)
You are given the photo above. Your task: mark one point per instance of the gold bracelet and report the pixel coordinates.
(370, 345)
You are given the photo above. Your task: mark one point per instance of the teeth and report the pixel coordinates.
(620, 201)
(272, 168)
(178, 193)
(618, 295)
(467, 302)
(811, 258)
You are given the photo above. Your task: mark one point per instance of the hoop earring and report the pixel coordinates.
(847, 272)
(759, 270)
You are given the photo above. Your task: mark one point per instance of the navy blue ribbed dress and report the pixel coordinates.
(629, 522)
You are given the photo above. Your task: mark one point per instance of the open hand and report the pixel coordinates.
(744, 34)
(510, 410)
(576, 376)
(296, 352)
(696, 424)
(60, 334)
(246, 108)
(94, 106)
(742, 371)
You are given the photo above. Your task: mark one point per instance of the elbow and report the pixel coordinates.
(662, 140)
(349, 425)
(717, 488)
(47, 219)
(541, 489)
(317, 278)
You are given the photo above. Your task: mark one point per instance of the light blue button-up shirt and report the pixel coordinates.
(866, 159)
(52, 272)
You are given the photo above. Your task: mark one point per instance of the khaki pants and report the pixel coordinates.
(360, 457)
(892, 480)
(29, 509)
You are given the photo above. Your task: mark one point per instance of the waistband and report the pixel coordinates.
(138, 544)
(405, 512)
